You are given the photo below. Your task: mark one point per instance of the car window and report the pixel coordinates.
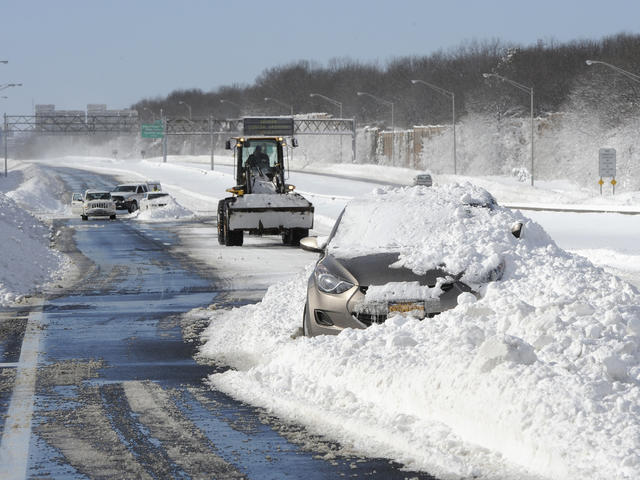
(99, 196)
(125, 188)
(151, 196)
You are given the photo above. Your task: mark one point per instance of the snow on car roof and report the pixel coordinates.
(429, 227)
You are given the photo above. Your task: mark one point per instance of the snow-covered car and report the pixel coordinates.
(154, 200)
(93, 203)
(423, 179)
(128, 195)
(406, 251)
(154, 186)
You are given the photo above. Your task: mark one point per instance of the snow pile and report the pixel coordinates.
(540, 377)
(456, 225)
(26, 261)
(39, 192)
(171, 211)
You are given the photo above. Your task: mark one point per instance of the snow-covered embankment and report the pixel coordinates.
(26, 261)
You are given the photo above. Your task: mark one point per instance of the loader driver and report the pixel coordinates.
(258, 159)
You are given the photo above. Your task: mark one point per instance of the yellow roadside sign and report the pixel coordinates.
(613, 182)
(601, 182)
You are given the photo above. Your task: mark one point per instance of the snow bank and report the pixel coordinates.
(171, 211)
(540, 377)
(39, 192)
(26, 261)
(456, 225)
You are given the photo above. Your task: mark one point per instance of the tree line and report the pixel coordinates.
(557, 72)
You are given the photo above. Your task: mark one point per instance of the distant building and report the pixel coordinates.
(97, 118)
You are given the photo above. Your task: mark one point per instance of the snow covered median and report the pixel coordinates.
(539, 377)
(27, 262)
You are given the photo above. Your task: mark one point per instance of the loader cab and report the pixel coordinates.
(260, 158)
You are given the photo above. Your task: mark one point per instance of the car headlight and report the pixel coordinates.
(329, 283)
(495, 273)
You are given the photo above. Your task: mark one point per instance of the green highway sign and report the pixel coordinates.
(152, 130)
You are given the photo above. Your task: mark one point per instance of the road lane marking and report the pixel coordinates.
(9, 365)
(14, 448)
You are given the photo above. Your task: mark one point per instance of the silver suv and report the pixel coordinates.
(128, 195)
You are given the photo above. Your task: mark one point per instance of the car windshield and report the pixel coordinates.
(151, 196)
(125, 188)
(426, 227)
(99, 196)
(267, 147)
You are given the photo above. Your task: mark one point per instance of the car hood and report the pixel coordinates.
(376, 269)
(123, 194)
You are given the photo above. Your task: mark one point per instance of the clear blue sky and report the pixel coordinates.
(73, 52)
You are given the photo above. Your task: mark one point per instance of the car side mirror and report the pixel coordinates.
(227, 145)
(311, 244)
(516, 229)
(294, 142)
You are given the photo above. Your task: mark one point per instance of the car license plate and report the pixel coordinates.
(415, 309)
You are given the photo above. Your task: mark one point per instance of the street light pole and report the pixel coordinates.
(222, 100)
(330, 100)
(526, 89)
(629, 75)
(386, 102)
(336, 103)
(4, 86)
(290, 107)
(186, 105)
(452, 95)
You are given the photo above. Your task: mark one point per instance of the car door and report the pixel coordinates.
(76, 203)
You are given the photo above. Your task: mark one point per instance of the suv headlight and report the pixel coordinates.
(329, 283)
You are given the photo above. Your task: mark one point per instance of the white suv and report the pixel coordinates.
(128, 195)
(94, 203)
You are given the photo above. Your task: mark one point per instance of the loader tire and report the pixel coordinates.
(294, 235)
(232, 238)
(221, 222)
(237, 237)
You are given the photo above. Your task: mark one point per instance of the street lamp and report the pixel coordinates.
(290, 107)
(8, 85)
(452, 95)
(222, 100)
(186, 105)
(629, 75)
(336, 103)
(526, 89)
(330, 100)
(386, 102)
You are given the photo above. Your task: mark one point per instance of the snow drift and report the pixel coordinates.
(169, 212)
(539, 377)
(27, 262)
